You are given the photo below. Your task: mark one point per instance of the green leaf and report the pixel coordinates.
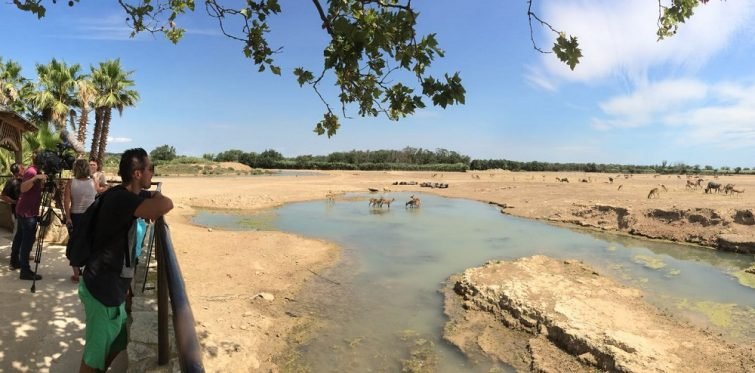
(328, 125)
(567, 50)
(275, 69)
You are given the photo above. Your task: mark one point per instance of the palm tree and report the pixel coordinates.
(55, 95)
(86, 95)
(15, 90)
(112, 84)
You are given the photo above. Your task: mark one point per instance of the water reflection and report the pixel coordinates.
(395, 262)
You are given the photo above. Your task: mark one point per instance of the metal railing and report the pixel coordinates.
(171, 288)
(170, 282)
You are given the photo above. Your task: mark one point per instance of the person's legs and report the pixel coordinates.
(16, 246)
(28, 229)
(75, 218)
(105, 332)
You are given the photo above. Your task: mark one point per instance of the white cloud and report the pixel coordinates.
(722, 114)
(118, 140)
(638, 108)
(536, 78)
(114, 27)
(618, 39)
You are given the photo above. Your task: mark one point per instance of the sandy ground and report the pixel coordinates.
(225, 271)
(242, 284)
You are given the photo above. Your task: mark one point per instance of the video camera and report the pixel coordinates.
(52, 162)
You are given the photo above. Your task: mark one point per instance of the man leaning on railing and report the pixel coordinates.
(106, 281)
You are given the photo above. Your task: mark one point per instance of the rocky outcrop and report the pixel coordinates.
(737, 243)
(569, 317)
(744, 217)
(700, 226)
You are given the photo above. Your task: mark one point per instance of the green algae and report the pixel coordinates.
(719, 314)
(745, 278)
(672, 272)
(651, 262)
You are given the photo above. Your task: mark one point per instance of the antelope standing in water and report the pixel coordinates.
(413, 202)
(385, 201)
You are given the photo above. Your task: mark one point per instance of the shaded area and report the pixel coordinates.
(41, 331)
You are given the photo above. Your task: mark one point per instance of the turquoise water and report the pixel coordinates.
(387, 303)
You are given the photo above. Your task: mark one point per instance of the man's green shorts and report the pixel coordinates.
(105, 329)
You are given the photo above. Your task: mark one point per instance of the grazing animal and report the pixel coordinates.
(558, 179)
(385, 201)
(690, 185)
(663, 187)
(713, 186)
(654, 193)
(619, 188)
(678, 176)
(610, 180)
(413, 202)
(374, 201)
(565, 180)
(738, 191)
(728, 188)
(583, 181)
(386, 190)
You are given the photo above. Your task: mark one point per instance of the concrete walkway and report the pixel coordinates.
(42, 331)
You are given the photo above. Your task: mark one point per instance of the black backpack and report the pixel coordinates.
(81, 242)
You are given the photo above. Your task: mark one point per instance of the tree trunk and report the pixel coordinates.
(83, 122)
(106, 115)
(96, 135)
(72, 114)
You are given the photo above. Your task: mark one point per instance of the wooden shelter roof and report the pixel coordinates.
(12, 126)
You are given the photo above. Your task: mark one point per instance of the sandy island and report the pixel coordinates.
(240, 283)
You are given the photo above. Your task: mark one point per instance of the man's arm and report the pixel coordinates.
(26, 185)
(155, 207)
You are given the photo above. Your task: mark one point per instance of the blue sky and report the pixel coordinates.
(632, 100)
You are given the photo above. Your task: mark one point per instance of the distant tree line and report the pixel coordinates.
(418, 159)
(408, 159)
(663, 168)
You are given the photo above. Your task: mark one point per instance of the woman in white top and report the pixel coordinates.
(79, 194)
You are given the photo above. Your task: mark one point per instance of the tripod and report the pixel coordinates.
(50, 193)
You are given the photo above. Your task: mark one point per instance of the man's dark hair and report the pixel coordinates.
(14, 168)
(132, 160)
(99, 164)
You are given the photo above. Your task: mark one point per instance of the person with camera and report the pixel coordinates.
(106, 274)
(10, 194)
(78, 195)
(27, 215)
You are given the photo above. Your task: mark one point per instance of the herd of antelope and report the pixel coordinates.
(691, 185)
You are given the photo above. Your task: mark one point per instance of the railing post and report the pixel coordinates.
(163, 342)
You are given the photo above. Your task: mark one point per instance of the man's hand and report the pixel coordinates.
(42, 177)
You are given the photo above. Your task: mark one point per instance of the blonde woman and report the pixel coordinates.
(79, 194)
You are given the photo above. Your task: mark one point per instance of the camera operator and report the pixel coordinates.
(103, 291)
(27, 214)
